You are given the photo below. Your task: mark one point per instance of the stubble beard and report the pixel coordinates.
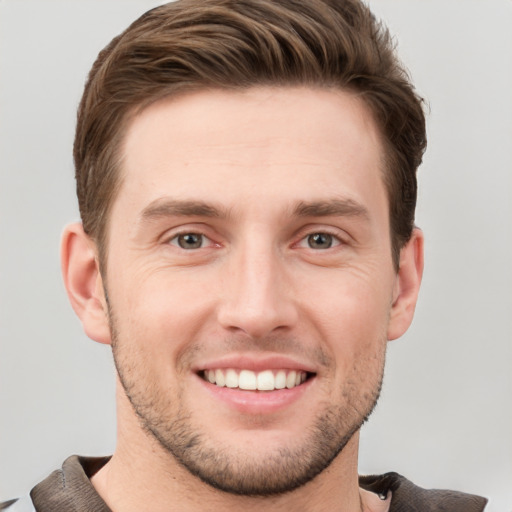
(240, 473)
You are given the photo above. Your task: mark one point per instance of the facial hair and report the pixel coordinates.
(228, 468)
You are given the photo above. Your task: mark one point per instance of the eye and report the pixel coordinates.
(189, 240)
(320, 241)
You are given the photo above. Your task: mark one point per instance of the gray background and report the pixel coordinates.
(445, 417)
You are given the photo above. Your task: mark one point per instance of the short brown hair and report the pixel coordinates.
(200, 44)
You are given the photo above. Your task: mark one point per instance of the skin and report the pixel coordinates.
(254, 177)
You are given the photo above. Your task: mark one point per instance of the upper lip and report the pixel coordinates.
(256, 363)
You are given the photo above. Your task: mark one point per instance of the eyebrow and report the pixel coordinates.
(167, 207)
(332, 207)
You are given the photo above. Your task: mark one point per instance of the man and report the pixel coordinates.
(246, 181)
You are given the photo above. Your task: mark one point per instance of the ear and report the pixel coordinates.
(83, 282)
(407, 285)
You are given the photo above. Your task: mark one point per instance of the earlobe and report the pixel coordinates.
(408, 280)
(83, 282)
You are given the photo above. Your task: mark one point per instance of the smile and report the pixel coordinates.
(266, 380)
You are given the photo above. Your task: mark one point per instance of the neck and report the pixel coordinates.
(156, 480)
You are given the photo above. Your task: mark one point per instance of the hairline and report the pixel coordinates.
(101, 237)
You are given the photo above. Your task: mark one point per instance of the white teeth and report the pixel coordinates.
(290, 379)
(231, 379)
(247, 380)
(219, 378)
(280, 380)
(267, 380)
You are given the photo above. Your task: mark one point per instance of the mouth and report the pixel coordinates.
(248, 380)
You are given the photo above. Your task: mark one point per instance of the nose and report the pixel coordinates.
(257, 298)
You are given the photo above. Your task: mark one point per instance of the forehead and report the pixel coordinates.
(275, 142)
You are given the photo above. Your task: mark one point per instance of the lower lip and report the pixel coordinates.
(257, 402)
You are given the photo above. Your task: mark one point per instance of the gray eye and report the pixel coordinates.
(190, 240)
(320, 241)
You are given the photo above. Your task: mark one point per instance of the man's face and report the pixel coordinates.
(249, 247)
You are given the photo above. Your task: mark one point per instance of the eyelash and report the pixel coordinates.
(176, 237)
(334, 240)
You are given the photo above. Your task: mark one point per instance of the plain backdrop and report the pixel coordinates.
(445, 416)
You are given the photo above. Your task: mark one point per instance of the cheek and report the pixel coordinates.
(352, 318)
(163, 313)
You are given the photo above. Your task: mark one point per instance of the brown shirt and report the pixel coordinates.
(70, 490)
